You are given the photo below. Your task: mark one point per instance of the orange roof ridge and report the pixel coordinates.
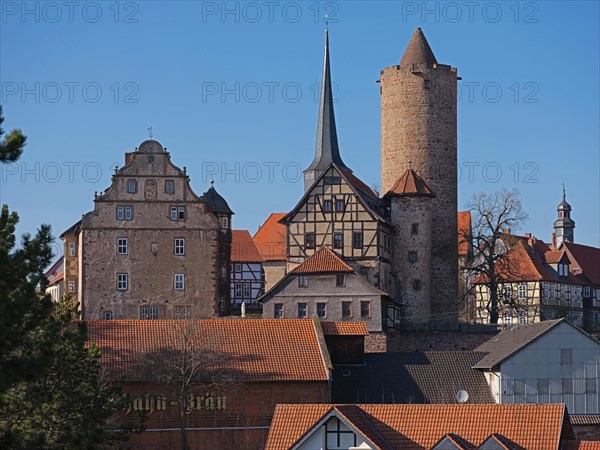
(324, 260)
(271, 238)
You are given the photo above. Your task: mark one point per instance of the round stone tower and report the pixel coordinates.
(410, 202)
(418, 124)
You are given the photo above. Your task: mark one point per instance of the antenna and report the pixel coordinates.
(462, 396)
(149, 132)
(326, 22)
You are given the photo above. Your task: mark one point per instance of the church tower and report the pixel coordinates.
(564, 226)
(419, 124)
(326, 150)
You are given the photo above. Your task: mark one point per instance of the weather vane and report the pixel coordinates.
(326, 22)
(150, 132)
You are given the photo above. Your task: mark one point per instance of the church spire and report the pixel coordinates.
(418, 52)
(326, 150)
(564, 226)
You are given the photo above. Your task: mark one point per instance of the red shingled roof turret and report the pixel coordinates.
(410, 184)
(325, 260)
(418, 51)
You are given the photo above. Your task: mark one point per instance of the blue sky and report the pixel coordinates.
(230, 89)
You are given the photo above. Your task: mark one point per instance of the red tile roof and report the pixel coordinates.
(411, 184)
(323, 261)
(357, 183)
(344, 328)
(408, 427)
(464, 230)
(253, 349)
(243, 248)
(527, 262)
(585, 260)
(271, 238)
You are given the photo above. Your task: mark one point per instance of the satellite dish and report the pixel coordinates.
(462, 396)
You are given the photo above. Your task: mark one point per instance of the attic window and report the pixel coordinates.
(427, 84)
(332, 180)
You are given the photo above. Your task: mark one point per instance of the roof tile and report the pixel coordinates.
(271, 238)
(243, 248)
(324, 260)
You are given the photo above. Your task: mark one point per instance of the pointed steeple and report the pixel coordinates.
(564, 226)
(418, 52)
(326, 150)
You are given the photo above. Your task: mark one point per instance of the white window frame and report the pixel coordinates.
(179, 248)
(276, 307)
(305, 310)
(173, 212)
(72, 248)
(107, 315)
(238, 290)
(247, 291)
(522, 291)
(71, 286)
(128, 213)
(148, 312)
(586, 291)
(224, 222)
(130, 184)
(179, 281)
(183, 312)
(523, 317)
(507, 318)
(171, 184)
(120, 213)
(122, 246)
(122, 282)
(181, 213)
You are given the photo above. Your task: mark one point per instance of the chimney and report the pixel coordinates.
(554, 240)
(506, 230)
(128, 157)
(528, 235)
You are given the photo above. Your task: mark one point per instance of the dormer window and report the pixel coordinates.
(563, 270)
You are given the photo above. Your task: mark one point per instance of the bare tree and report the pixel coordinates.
(493, 217)
(187, 365)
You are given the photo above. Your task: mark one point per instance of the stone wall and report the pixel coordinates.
(419, 124)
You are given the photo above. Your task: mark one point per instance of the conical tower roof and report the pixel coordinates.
(218, 204)
(418, 52)
(410, 184)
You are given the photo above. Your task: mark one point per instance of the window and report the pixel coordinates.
(414, 228)
(247, 290)
(131, 186)
(339, 205)
(586, 291)
(278, 310)
(238, 290)
(322, 310)
(567, 385)
(331, 180)
(522, 292)
(183, 312)
(506, 293)
(340, 279)
(302, 310)
(148, 312)
(120, 213)
(122, 246)
(507, 318)
(566, 355)
(543, 386)
(302, 280)
(357, 239)
(72, 248)
(386, 242)
(338, 240)
(563, 291)
(179, 281)
(412, 257)
(590, 386)
(523, 317)
(179, 246)
(71, 286)
(223, 272)
(128, 213)
(309, 240)
(122, 282)
(416, 285)
(107, 315)
(327, 206)
(365, 309)
(224, 222)
(427, 84)
(346, 310)
(238, 267)
(169, 186)
(519, 387)
(177, 212)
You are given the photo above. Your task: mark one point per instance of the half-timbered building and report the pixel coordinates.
(247, 275)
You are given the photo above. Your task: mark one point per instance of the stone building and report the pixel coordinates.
(327, 287)
(151, 248)
(405, 241)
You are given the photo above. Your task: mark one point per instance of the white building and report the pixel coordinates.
(546, 362)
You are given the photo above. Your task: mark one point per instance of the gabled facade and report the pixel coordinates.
(339, 211)
(547, 362)
(56, 282)
(151, 248)
(272, 243)
(247, 275)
